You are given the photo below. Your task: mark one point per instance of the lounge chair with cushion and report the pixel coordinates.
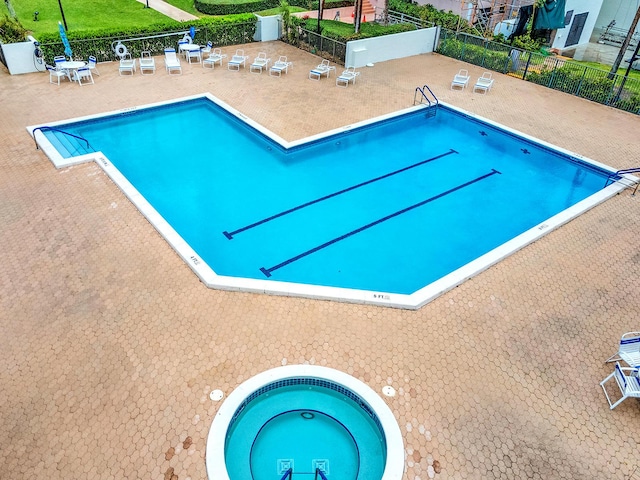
(281, 65)
(260, 62)
(171, 61)
(628, 350)
(484, 83)
(460, 79)
(214, 57)
(348, 75)
(239, 59)
(323, 69)
(147, 63)
(127, 64)
(628, 384)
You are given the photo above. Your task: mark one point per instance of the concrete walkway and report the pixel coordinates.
(169, 10)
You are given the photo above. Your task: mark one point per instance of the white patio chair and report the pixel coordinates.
(260, 62)
(214, 57)
(147, 63)
(460, 79)
(127, 64)
(628, 350)
(93, 65)
(194, 54)
(348, 75)
(281, 65)
(239, 59)
(207, 48)
(55, 73)
(323, 69)
(83, 75)
(629, 385)
(171, 61)
(484, 83)
(57, 60)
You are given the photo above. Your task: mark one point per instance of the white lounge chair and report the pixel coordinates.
(484, 83)
(127, 64)
(239, 59)
(629, 385)
(460, 79)
(348, 75)
(214, 57)
(147, 63)
(171, 61)
(93, 65)
(83, 75)
(55, 73)
(281, 65)
(628, 350)
(323, 69)
(260, 62)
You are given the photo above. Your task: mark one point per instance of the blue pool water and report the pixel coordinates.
(304, 427)
(389, 207)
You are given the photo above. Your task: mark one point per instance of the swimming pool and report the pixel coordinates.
(304, 418)
(385, 212)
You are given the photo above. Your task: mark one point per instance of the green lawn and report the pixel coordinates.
(607, 68)
(82, 14)
(187, 6)
(276, 11)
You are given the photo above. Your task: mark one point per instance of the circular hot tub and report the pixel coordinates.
(304, 420)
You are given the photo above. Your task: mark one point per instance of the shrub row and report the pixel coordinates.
(428, 13)
(227, 7)
(343, 32)
(231, 30)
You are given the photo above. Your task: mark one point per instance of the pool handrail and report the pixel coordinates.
(617, 176)
(321, 473)
(288, 473)
(430, 102)
(52, 129)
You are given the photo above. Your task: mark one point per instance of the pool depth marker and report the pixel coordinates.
(230, 235)
(267, 271)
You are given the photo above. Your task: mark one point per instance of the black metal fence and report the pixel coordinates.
(323, 46)
(560, 74)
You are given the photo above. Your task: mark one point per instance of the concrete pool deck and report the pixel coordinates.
(111, 344)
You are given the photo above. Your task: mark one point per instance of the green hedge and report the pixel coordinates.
(343, 32)
(428, 13)
(227, 7)
(477, 52)
(231, 30)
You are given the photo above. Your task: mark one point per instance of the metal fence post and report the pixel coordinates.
(584, 73)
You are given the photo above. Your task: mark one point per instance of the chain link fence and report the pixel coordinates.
(323, 46)
(560, 74)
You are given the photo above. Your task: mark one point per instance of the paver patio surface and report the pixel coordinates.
(111, 345)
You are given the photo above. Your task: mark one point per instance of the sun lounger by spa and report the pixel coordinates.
(460, 79)
(171, 61)
(239, 59)
(281, 65)
(348, 75)
(214, 57)
(484, 83)
(323, 69)
(260, 62)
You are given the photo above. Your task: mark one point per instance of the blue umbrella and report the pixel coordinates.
(65, 41)
(192, 32)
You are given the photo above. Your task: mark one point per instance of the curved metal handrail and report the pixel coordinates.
(52, 129)
(616, 176)
(422, 89)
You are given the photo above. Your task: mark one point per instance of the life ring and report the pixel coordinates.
(120, 49)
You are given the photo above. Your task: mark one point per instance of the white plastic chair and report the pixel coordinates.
(171, 61)
(629, 385)
(147, 63)
(323, 69)
(281, 65)
(260, 62)
(239, 59)
(208, 48)
(127, 64)
(195, 54)
(83, 74)
(628, 350)
(484, 83)
(55, 73)
(460, 79)
(348, 75)
(93, 65)
(214, 57)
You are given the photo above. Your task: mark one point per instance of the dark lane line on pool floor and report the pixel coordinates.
(230, 235)
(267, 271)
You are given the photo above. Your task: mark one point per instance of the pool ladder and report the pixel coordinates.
(288, 475)
(425, 95)
(617, 177)
(43, 129)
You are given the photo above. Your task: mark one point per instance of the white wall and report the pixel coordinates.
(578, 6)
(268, 28)
(20, 58)
(388, 47)
(622, 11)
